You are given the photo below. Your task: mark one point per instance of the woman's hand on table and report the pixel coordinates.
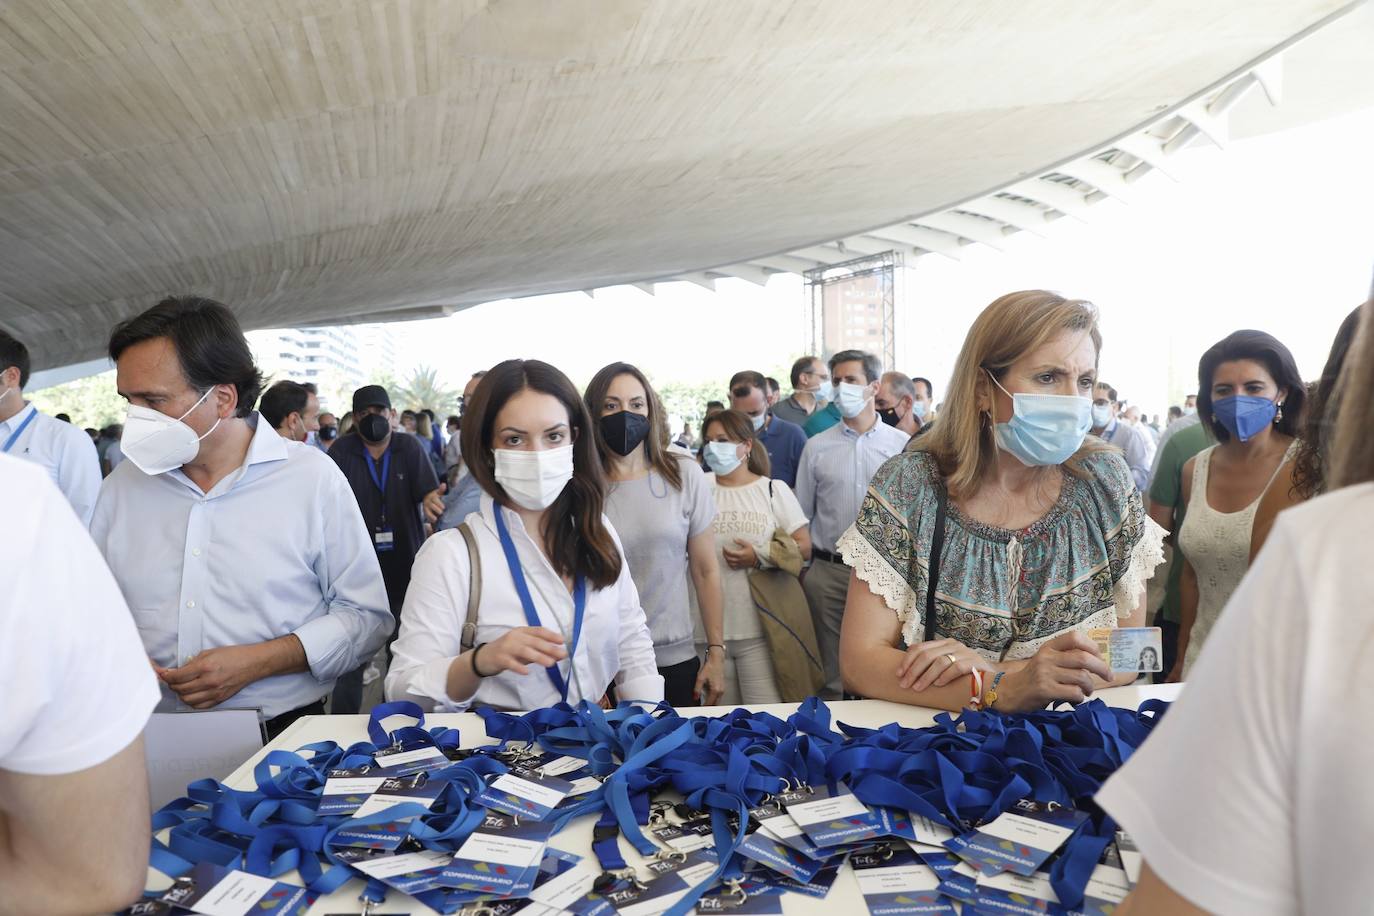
(519, 648)
(1062, 670)
(939, 663)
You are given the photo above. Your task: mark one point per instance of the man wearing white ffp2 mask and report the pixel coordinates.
(558, 615)
(245, 563)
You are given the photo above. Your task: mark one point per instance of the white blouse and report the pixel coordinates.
(615, 642)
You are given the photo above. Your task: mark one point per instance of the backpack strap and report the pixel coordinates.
(937, 551)
(474, 587)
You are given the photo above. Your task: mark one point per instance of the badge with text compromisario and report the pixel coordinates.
(1021, 839)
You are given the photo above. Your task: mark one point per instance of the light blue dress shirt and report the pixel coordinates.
(277, 547)
(834, 474)
(61, 449)
(1138, 448)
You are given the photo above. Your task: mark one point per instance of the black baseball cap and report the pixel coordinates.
(371, 396)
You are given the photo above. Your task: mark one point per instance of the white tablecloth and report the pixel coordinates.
(577, 837)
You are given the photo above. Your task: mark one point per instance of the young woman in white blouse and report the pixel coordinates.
(749, 508)
(558, 617)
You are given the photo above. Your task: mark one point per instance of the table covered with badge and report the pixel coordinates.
(774, 809)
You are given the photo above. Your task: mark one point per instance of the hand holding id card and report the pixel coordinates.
(1130, 648)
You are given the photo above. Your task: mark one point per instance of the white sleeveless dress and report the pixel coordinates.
(1217, 544)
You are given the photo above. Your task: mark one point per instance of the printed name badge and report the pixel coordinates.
(1020, 840)
(731, 905)
(777, 824)
(345, 790)
(500, 858)
(398, 762)
(213, 890)
(894, 881)
(525, 793)
(384, 540)
(1131, 859)
(565, 885)
(1130, 648)
(778, 856)
(914, 827)
(672, 878)
(563, 766)
(833, 819)
(819, 885)
(961, 883)
(409, 873)
(687, 837)
(1016, 893)
(1106, 889)
(383, 837)
(403, 790)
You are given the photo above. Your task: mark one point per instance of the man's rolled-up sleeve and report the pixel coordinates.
(358, 617)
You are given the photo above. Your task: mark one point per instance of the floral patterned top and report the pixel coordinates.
(1004, 593)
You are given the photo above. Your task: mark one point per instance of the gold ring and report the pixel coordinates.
(952, 659)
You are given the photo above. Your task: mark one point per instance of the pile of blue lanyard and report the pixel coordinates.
(959, 773)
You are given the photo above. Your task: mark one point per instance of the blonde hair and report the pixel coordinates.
(963, 443)
(1352, 453)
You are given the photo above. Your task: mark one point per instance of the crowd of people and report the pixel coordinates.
(547, 545)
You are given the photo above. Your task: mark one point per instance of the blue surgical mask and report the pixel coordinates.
(1243, 415)
(826, 391)
(1102, 415)
(1045, 429)
(851, 399)
(759, 420)
(919, 409)
(722, 457)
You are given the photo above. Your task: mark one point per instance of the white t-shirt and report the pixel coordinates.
(77, 685)
(1253, 795)
(747, 513)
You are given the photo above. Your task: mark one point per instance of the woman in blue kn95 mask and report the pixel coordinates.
(1250, 397)
(984, 553)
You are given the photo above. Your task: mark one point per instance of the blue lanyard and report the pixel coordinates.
(386, 472)
(14, 436)
(532, 615)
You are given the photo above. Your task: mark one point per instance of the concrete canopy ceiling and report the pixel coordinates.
(312, 161)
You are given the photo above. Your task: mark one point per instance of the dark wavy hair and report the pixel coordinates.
(578, 541)
(208, 341)
(1309, 465)
(1274, 356)
(656, 443)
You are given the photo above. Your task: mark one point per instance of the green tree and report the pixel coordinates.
(91, 401)
(423, 389)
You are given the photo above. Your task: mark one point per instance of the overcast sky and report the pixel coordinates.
(1272, 233)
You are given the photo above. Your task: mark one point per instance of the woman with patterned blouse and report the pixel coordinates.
(1044, 534)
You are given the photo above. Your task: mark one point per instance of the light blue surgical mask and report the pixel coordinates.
(722, 457)
(851, 399)
(825, 392)
(1102, 415)
(759, 420)
(1045, 429)
(919, 409)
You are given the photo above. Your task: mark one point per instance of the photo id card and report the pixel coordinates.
(833, 819)
(895, 882)
(525, 793)
(1021, 839)
(1130, 648)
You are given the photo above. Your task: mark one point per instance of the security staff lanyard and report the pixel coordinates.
(383, 538)
(14, 436)
(527, 602)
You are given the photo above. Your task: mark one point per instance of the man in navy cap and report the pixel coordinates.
(394, 482)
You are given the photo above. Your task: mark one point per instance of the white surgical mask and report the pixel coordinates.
(156, 443)
(759, 420)
(851, 399)
(722, 457)
(533, 480)
(1102, 415)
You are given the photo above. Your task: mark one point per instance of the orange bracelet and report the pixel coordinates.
(976, 679)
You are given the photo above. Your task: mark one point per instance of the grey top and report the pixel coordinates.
(655, 522)
(789, 410)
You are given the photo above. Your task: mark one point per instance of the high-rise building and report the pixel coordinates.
(336, 359)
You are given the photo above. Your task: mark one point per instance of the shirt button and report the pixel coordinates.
(195, 551)
(190, 604)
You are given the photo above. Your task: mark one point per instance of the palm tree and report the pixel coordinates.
(423, 389)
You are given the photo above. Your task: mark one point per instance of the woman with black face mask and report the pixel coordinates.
(662, 508)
